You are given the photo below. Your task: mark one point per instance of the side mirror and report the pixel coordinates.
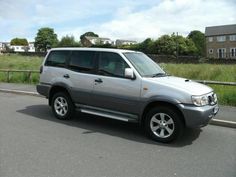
(129, 73)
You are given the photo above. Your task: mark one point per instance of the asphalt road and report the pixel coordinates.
(34, 143)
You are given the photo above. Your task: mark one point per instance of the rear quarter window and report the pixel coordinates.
(57, 58)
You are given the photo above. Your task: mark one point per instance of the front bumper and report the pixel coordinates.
(198, 116)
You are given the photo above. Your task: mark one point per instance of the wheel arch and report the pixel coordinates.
(162, 103)
(55, 89)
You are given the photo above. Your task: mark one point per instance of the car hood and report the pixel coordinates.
(185, 85)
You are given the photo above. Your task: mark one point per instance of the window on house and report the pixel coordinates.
(221, 52)
(232, 37)
(210, 39)
(233, 52)
(221, 38)
(210, 51)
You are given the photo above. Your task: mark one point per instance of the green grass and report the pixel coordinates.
(215, 72)
(18, 62)
(15, 61)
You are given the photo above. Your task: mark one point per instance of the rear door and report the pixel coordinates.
(81, 68)
(111, 89)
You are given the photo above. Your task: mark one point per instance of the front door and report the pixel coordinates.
(111, 89)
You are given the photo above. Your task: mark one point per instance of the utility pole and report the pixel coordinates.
(177, 47)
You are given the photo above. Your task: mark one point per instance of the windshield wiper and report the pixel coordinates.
(159, 75)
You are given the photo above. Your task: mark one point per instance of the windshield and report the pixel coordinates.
(144, 65)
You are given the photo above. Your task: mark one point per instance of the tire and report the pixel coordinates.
(62, 106)
(163, 124)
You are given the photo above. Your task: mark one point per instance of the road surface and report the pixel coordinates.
(34, 143)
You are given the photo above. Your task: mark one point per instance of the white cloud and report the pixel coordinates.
(115, 19)
(170, 16)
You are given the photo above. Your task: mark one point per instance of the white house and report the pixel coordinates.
(31, 47)
(120, 42)
(89, 41)
(17, 48)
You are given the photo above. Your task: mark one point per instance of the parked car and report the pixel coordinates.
(127, 86)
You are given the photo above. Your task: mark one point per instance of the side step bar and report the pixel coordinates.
(107, 113)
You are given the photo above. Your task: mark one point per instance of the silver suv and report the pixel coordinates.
(124, 85)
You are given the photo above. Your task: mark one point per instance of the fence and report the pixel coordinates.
(29, 74)
(9, 72)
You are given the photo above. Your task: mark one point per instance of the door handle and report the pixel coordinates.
(98, 80)
(66, 76)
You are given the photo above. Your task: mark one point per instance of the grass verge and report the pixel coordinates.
(215, 72)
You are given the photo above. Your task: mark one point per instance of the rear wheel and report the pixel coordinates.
(163, 124)
(62, 106)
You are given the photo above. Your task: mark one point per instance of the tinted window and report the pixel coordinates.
(111, 64)
(82, 61)
(57, 58)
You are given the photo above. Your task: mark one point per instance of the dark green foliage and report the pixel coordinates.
(166, 45)
(19, 41)
(45, 39)
(91, 34)
(199, 40)
(68, 41)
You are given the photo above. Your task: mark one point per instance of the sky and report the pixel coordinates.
(115, 19)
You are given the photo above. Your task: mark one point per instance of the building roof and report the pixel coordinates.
(220, 30)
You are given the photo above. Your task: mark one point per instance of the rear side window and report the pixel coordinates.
(57, 58)
(82, 61)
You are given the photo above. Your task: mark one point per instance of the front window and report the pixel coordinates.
(111, 64)
(232, 37)
(210, 39)
(144, 65)
(221, 53)
(221, 38)
(233, 52)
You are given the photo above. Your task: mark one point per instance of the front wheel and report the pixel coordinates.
(163, 124)
(62, 106)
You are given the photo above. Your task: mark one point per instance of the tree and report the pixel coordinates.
(91, 34)
(199, 40)
(175, 45)
(147, 46)
(166, 45)
(46, 38)
(68, 41)
(19, 41)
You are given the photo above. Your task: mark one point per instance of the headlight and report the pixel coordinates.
(200, 100)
